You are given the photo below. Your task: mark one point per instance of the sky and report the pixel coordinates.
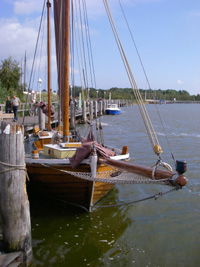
(166, 33)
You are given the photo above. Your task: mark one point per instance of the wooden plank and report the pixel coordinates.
(6, 259)
(6, 116)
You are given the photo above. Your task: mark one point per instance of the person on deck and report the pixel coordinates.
(15, 104)
(8, 105)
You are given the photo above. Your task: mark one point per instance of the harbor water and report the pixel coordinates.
(162, 232)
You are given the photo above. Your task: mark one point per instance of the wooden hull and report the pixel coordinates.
(53, 183)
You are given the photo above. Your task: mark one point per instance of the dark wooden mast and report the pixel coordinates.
(49, 65)
(65, 96)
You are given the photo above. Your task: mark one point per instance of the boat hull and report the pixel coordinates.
(113, 112)
(54, 183)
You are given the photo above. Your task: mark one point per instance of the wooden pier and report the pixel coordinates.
(28, 114)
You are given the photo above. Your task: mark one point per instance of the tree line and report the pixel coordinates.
(10, 75)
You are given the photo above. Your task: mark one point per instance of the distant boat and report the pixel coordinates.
(113, 109)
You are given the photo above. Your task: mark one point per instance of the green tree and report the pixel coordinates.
(10, 74)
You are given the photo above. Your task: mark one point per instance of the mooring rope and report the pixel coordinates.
(156, 196)
(13, 167)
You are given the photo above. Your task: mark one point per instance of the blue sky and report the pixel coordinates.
(166, 33)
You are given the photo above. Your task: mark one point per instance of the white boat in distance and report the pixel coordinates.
(112, 109)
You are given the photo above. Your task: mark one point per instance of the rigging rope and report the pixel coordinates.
(78, 56)
(83, 46)
(34, 56)
(156, 196)
(137, 51)
(89, 46)
(149, 127)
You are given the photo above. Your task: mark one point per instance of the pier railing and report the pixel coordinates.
(77, 111)
(99, 107)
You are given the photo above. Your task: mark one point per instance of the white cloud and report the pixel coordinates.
(20, 37)
(16, 37)
(27, 6)
(180, 82)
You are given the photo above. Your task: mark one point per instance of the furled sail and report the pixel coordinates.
(62, 36)
(59, 16)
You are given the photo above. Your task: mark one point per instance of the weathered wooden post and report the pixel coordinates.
(72, 115)
(95, 109)
(41, 118)
(91, 110)
(79, 101)
(104, 106)
(14, 204)
(84, 117)
(119, 103)
(22, 107)
(100, 108)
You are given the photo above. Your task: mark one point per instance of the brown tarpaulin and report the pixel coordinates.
(87, 148)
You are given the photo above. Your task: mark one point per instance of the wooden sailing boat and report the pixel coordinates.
(74, 170)
(50, 173)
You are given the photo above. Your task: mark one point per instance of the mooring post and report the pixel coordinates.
(72, 115)
(95, 109)
(100, 108)
(41, 118)
(104, 106)
(91, 110)
(22, 107)
(84, 116)
(14, 204)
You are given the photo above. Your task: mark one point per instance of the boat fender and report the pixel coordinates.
(35, 154)
(93, 165)
(93, 162)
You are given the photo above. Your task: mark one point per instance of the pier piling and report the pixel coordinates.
(14, 204)
(41, 118)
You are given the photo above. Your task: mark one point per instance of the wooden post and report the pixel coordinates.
(95, 109)
(41, 117)
(84, 117)
(100, 108)
(22, 107)
(104, 106)
(72, 116)
(79, 101)
(91, 110)
(14, 204)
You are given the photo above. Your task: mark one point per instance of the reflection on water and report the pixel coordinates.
(67, 235)
(162, 232)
